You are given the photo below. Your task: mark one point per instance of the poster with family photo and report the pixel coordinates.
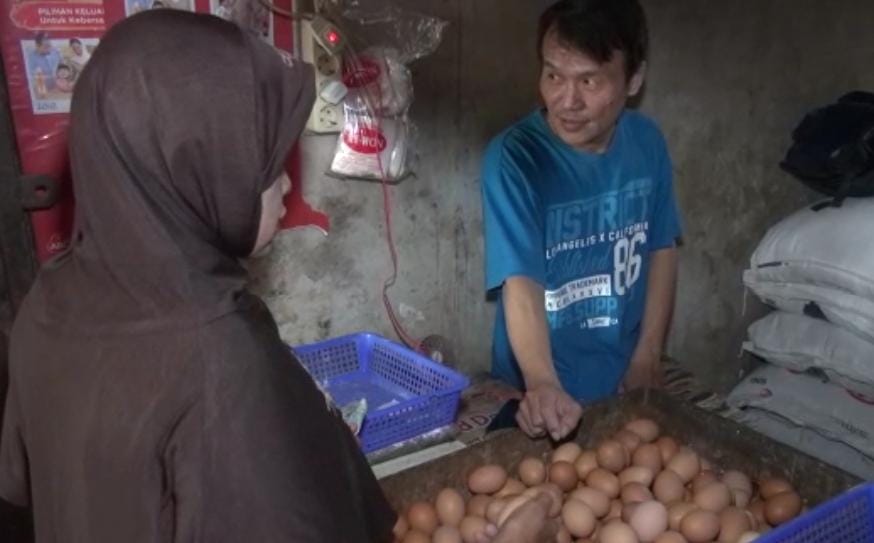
(53, 65)
(251, 14)
(132, 7)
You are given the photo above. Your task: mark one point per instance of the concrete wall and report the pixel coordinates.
(728, 81)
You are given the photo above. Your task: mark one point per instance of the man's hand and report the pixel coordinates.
(548, 408)
(644, 371)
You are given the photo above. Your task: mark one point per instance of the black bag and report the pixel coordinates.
(833, 149)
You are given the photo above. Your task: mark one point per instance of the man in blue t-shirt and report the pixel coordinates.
(581, 223)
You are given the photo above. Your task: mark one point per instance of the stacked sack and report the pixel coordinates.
(817, 392)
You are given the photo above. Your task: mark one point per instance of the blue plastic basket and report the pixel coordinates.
(847, 518)
(407, 394)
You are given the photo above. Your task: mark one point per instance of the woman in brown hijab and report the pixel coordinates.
(151, 398)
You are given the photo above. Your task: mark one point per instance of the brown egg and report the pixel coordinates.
(597, 501)
(511, 488)
(757, 509)
(510, 508)
(748, 537)
(635, 493)
(668, 487)
(733, 522)
(700, 526)
(648, 456)
(553, 491)
(578, 518)
(740, 498)
(493, 511)
(647, 429)
(401, 527)
(471, 527)
(685, 463)
(704, 478)
(422, 517)
(487, 479)
(649, 520)
(615, 510)
(532, 471)
(782, 507)
(563, 536)
(447, 534)
(737, 480)
(751, 519)
(585, 463)
(612, 455)
(604, 481)
(670, 537)
(629, 440)
(628, 510)
(477, 505)
(713, 497)
(637, 474)
(677, 511)
(568, 452)
(668, 447)
(450, 507)
(773, 486)
(563, 475)
(415, 536)
(617, 531)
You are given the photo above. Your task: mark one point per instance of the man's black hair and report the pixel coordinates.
(40, 38)
(75, 40)
(598, 28)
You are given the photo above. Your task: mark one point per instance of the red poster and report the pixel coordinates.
(44, 46)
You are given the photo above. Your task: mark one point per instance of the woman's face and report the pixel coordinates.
(272, 211)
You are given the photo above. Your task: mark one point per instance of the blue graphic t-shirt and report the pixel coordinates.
(582, 225)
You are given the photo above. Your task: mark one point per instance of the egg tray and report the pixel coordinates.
(725, 443)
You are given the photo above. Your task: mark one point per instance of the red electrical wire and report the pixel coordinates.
(396, 323)
(389, 282)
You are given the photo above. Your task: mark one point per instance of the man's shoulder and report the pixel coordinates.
(517, 141)
(642, 127)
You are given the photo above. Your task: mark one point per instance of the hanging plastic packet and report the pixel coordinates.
(376, 140)
(367, 149)
(377, 78)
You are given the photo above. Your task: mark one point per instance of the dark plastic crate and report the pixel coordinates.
(407, 394)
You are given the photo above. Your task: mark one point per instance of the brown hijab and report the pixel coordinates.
(151, 398)
(180, 122)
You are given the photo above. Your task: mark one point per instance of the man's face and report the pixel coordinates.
(44, 48)
(77, 48)
(584, 98)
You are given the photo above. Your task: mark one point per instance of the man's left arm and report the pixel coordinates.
(644, 370)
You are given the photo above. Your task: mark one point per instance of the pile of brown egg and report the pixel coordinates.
(636, 487)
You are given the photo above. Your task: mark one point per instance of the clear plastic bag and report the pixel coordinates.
(253, 15)
(376, 142)
(378, 80)
(372, 148)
